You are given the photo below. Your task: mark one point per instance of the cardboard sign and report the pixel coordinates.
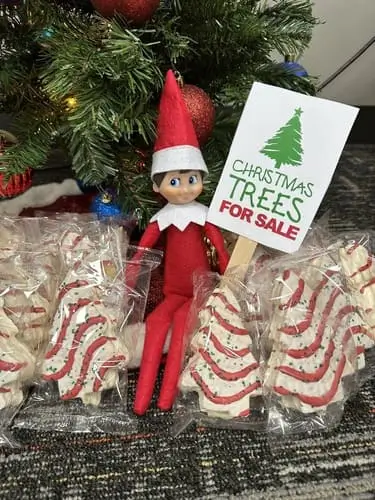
(281, 162)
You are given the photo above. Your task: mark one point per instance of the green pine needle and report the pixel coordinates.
(115, 72)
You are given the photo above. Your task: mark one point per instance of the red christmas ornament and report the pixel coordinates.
(202, 111)
(137, 11)
(18, 183)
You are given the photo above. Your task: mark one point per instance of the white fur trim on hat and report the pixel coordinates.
(177, 158)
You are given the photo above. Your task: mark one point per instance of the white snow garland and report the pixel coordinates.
(39, 196)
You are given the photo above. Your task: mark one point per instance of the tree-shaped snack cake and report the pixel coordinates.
(223, 369)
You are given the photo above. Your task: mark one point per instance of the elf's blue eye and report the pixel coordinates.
(175, 182)
(193, 179)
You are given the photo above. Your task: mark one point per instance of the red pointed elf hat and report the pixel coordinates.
(176, 146)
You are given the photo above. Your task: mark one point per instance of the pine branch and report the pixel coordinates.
(113, 79)
(276, 74)
(115, 72)
(93, 158)
(172, 44)
(234, 37)
(135, 187)
(286, 22)
(11, 77)
(41, 14)
(234, 94)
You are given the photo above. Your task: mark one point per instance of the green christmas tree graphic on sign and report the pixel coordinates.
(285, 147)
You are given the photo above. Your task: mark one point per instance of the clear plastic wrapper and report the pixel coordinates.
(311, 337)
(137, 290)
(357, 261)
(83, 373)
(28, 283)
(66, 216)
(18, 233)
(221, 381)
(127, 222)
(26, 309)
(85, 231)
(353, 252)
(309, 348)
(137, 282)
(28, 286)
(17, 371)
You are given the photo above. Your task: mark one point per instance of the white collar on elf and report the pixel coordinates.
(181, 215)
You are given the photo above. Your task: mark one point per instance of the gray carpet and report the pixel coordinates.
(207, 463)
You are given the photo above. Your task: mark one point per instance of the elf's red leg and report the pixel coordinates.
(175, 356)
(157, 326)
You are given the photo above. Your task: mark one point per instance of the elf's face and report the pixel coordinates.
(180, 188)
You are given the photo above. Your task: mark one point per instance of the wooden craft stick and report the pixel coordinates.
(242, 254)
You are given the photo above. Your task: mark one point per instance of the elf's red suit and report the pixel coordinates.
(185, 253)
(178, 171)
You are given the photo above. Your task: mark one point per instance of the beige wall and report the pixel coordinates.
(349, 24)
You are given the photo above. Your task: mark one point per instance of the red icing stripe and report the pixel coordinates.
(357, 330)
(363, 268)
(321, 371)
(344, 311)
(309, 350)
(77, 265)
(114, 361)
(6, 366)
(73, 308)
(244, 413)
(223, 374)
(76, 240)
(222, 400)
(225, 301)
(4, 390)
(360, 350)
(366, 285)
(286, 274)
(75, 284)
(230, 328)
(295, 297)
(4, 335)
(311, 376)
(305, 323)
(352, 248)
(230, 353)
(317, 400)
(95, 320)
(97, 344)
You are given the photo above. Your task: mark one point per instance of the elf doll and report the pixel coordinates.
(178, 171)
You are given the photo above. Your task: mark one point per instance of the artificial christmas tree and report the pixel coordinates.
(91, 84)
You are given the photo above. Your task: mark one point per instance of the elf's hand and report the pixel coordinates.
(217, 240)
